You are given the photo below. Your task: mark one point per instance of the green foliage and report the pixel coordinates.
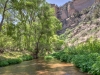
(4, 63)
(56, 42)
(95, 67)
(48, 58)
(66, 58)
(83, 62)
(30, 26)
(66, 34)
(5, 41)
(85, 56)
(14, 61)
(26, 57)
(58, 54)
(2, 58)
(96, 12)
(9, 61)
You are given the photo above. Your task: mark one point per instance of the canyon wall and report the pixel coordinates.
(71, 7)
(64, 12)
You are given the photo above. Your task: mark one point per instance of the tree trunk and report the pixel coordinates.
(35, 54)
(0, 26)
(3, 14)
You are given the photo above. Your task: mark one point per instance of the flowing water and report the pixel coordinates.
(40, 67)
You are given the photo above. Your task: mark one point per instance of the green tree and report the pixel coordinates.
(31, 25)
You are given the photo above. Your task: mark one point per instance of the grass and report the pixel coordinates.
(9, 58)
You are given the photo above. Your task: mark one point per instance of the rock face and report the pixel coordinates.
(82, 4)
(97, 0)
(66, 11)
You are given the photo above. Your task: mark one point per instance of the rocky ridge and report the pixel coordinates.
(65, 12)
(82, 26)
(79, 23)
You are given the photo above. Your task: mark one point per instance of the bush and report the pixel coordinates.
(97, 22)
(88, 18)
(57, 55)
(14, 61)
(26, 57)
(83, 62)
(66, 58)
(4, 63)
(85, 11)
(2, 58)
(95, 70)
(59, 44)
(93, 56)
(48, 58)
(85, 56)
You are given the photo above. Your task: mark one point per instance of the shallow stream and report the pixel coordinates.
(40, 67)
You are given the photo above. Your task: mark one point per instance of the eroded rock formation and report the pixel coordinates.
(66, 11)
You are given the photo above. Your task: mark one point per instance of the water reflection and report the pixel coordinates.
(40, 67)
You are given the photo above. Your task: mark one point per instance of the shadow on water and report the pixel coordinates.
(40, 67)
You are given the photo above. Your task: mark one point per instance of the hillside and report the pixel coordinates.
(64, 12)
(80, 20)
(82, 25)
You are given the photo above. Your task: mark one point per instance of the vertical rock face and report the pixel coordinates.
(82, 4)
(56, 8)
(65, 12)
(97, 0)
(71, 7)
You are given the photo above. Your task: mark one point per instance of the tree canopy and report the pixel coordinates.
(28, 25)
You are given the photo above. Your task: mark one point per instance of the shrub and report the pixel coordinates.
(10, 61)
(26, 57)
(48, 58)
(93, 56)
(83, 62)
(4, 63)
(77, 14)
(87, 19)
(85, 56)
(95, 68)
(14, 61)
(2, 58)
(57, 55)
(58, 44)
(85, 11)
(97, 23)
(66, 57)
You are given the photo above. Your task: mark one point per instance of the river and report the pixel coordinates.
(40, 67)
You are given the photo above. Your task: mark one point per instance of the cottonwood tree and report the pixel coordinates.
(43, 25)
(32, 25)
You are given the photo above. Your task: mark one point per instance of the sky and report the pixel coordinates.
(58, 2)
(0, 17)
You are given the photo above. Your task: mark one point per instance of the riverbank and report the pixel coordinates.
(85, 56)
(9, 58)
